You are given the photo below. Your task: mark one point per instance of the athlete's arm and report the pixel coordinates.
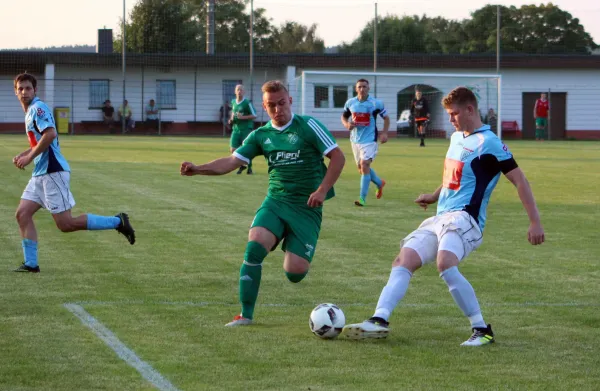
(535, 108)
(535, 234)
(426, 199)
(49, 134)
(336, 165)
(346, 121)
(16, 158)
(217, 167)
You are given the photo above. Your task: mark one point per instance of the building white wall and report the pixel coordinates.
(71, 89)
(582, 88)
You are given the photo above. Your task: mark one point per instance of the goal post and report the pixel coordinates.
(322, 94)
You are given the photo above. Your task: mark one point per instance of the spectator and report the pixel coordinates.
(108, 113)
(492, 119)
(152, 114)
(126, 113)
(225, 115)
(540, 114)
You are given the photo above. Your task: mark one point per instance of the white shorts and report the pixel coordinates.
(366, 151)
(51, 191)
(456, 232)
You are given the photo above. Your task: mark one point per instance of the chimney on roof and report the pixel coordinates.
(105, 41)
(210, 28)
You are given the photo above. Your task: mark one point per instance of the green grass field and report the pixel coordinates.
(167, 297)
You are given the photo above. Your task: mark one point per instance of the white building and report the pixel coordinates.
(190, 89)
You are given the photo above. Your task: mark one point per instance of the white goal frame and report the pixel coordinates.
(497, 77)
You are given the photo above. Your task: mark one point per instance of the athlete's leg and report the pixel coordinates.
(29, 240)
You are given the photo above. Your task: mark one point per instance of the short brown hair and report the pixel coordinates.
(273, 86)
(26, 77)
(461, 96)
(362, 81)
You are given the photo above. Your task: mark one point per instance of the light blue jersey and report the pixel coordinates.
(37, 119)
(364, 115)
(471, 171)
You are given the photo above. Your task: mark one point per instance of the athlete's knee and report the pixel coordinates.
(255, 253)
(446, 260)
(262, 236)
(23, 217)
(295, 277)
(365, 166)
(408, 259)
(65, 226)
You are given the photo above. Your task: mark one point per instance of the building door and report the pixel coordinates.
(557, 120)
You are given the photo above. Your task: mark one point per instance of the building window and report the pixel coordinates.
(340, 96)
(165, 94)
(321, 97)
(99, 93)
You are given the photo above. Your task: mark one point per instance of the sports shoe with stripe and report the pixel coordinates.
(125, 228)
(360, 202)
(27, 269)
(480, 337)
(239, 320)
(379, 193)
(373, 328)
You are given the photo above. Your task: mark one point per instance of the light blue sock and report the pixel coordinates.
(30, 252)
(365, 180)
(375, 179)
(95, 222)
(464, 295)
(393, 292)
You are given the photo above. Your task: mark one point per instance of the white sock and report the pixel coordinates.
(393, 292)
(464, 295)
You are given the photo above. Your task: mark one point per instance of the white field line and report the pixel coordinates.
(118, 347)
(410, 305)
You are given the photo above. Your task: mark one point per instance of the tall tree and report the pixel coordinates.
(160, 26)
(528, 29)
(292, 37)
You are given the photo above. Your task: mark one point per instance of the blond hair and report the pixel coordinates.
(461, 96)
(273, 86)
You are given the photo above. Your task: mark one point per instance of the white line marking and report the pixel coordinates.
(118, 347)
(411, 305)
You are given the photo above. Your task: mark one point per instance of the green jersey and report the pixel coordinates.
(294, 154)
(244, 108)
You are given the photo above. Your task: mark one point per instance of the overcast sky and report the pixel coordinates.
(46, 23)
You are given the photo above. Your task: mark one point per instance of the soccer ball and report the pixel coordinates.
(327, 320)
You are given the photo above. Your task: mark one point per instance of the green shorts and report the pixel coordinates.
(541, 122)
(237, 138)
(296, 224)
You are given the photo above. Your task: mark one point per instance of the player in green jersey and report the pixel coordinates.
(242, 122)
(299, 184)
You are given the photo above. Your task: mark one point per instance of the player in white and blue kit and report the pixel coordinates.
(473, 164)
(360, 118)
(49, 185)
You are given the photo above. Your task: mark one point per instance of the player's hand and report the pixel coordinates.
(239, 115)
(383, 138)
(230, 122)
(351, 125)
(187, 169)
(425, 199)
(316, 199)
(535, 234)
(22, 161)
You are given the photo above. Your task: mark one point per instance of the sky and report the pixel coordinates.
(75, 22)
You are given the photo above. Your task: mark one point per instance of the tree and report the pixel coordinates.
(528, 29)
(292, 37)
(161, 26)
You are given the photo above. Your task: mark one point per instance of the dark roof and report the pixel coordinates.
(34, 61)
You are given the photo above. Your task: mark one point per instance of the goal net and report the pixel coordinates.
(322, 94)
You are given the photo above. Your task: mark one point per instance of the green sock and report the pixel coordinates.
(250, 274)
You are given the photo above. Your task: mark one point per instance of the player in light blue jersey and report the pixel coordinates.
(49, 185)
(360, 118)
(474, 161)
